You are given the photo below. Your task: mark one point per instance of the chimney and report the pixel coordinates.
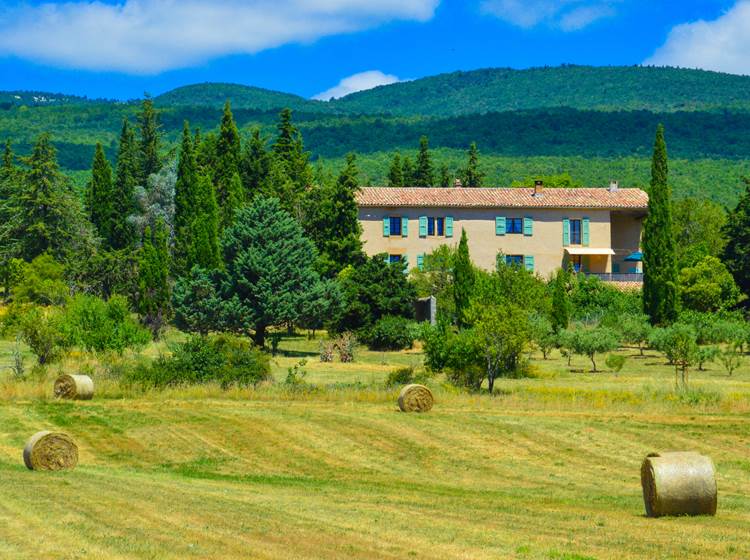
(614, 186)
(538, 188)
(457, 183)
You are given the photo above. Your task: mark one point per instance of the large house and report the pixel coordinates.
(597, 230)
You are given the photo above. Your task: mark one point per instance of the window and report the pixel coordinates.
(514, 225)
(392, 259)
(395, 225)
(514, 260)
(435, 227)
(575, 232)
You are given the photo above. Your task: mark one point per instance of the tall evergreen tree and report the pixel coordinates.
(424, 175)
(737, 251)
(126, 177)
(255, 164)
(659, 265)
(463, 279)
(149, 161)
(444, 177)
(100, 196)
(8, 156)
(204, 250)
(227, 168)
(560, 315)
(185, 208)
(290, 151)
(395, 173)
(473, 177)
(408, 172)
(153, 296)
(332, 222)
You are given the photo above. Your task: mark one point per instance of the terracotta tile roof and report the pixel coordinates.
(502, 198)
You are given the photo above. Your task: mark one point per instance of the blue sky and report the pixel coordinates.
(119, 49)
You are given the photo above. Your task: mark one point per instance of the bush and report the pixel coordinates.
(615, 362)
(94, 324)
(400, 376)
(43, 282)
(223, 359)
(390, 333)
(40, 330)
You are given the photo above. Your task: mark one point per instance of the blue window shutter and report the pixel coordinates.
(423, 226)
(405, 261)
(499, 225)
(404, 227)
(420, 261)
(386, 227)
(529, 262)
(528, 226)
(566, 232)
(449, 226)
(585, 235)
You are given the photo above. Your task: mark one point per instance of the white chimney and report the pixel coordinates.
(538, 188)
(614, 186)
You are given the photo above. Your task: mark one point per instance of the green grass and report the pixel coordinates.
(546, 469)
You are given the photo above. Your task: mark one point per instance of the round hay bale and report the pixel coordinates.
(49, 451)
(415, 398)
(74, 387)
(678, 483)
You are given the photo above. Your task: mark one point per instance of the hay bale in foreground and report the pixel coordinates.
(415, 398)
(678, 483)
(74, 387)
(50, 451)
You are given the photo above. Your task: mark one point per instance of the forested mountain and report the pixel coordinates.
(243, 97)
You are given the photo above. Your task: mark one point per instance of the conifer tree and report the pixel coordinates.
(463, 280)
(126, 176)
(8, 157)
(424, 175)
(153, 296)
(408, 172)
(445, 177)
(290, 151)
(737, 251)
(659, 265)
(184, 201)
(227, 168)
(255, 164)
(395, 173)
(473, 177)
(560, 316)
(204, 251)
(100, 196)
(148, 160)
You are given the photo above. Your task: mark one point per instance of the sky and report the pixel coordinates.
(119, 49)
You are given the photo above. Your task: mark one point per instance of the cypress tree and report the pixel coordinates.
(408, 172)
(423, 175)
(148, 160)
(395, 173)
(659, 268)
(472, 176)
(153, 279)
(445, 177)
(463, 279)
(560, 302)
(204, 250)
(100, 196)
(289, 150)
(255, 164)
(185, 208)
(123, 203)
(226, 170)
(737, 251)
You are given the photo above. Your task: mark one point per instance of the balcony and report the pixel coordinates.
(627, 277)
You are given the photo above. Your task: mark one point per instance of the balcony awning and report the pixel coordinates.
(588, 251)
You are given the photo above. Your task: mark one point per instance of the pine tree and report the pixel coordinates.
(423, 175)
(148, 158)
(126, 176)
(560, 316)
(445, 177)
(408, 172)
(204, 250)
(395, 173)
(227, 168)
(184, 201)
(100, 196)
(659, 265)
(153, 296)
(473, 177)
(737, 251)
(290, 152)
(8, 157)
(463, 279)
(255, 164)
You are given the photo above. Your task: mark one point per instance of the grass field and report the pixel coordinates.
(546, 469)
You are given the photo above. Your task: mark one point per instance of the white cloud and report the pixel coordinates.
(567, 15)
(722, 44)
(358, 82)
(151, 36)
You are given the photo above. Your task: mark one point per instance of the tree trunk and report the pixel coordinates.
(593, 362)
(260, 336)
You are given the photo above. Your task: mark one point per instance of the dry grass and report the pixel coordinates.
(547, 469)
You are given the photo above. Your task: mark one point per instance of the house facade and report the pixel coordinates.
(594, 229)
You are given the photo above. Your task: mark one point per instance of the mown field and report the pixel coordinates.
(546, 469)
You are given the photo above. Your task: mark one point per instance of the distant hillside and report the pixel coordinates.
(579, 87)
(242, 97)
(42, 99)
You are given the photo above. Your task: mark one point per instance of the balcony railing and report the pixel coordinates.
(618, 277)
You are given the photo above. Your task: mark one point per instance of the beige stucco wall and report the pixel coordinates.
(626, 238)
(546, 243)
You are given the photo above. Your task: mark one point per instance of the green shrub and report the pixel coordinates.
(42, 281)
(615, 362)
(40, 330)
(400, 376)
(223, 359)
(390, 333)
(94, 324)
